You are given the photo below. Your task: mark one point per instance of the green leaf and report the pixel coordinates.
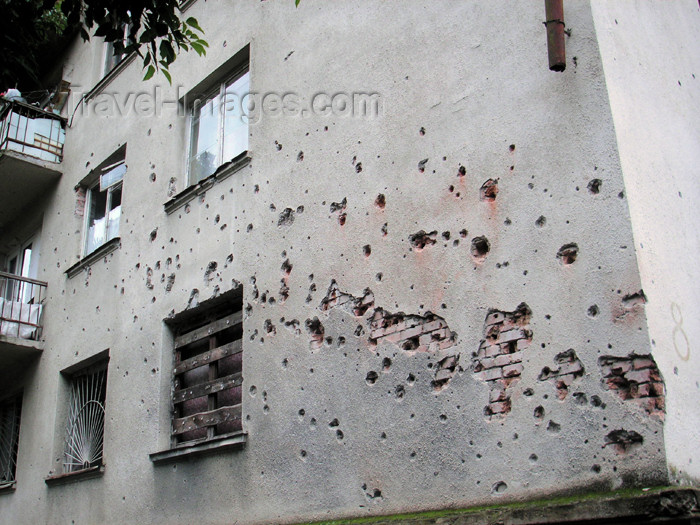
(167, 75)
(150, 72)
(296, 3)
(192, 22)
(198, 48)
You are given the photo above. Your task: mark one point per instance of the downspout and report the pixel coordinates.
(555, 34)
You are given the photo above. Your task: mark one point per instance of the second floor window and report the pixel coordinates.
(219, 130)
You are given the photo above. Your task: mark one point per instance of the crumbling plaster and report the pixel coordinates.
(322, 439)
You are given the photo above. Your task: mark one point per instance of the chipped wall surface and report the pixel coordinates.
(442, 304)
(655, 103)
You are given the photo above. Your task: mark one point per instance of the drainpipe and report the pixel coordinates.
(555, 34)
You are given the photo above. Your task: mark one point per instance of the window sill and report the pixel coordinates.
(90, 258)
(224, 171)
(237, 440)
(8, 487)
(70, 477)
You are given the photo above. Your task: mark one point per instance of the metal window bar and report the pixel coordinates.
(19, 133)
(21, 305)
(10, 412)
(86, 421)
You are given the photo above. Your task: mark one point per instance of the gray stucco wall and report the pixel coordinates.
(460, 86)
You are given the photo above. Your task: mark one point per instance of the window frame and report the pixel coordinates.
(76, 381)
(217, 91)
(8, 478)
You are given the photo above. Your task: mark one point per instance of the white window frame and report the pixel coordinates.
(218, 91)
(98, 187)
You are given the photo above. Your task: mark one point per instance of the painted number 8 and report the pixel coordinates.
(678, 332)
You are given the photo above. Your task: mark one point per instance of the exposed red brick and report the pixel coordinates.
(498, 360)
(635, 378)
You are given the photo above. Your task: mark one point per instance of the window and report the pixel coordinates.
(112, 60)
(219, 127)
(10, 410)
(207, 373)
(103, 203)
(86, 419)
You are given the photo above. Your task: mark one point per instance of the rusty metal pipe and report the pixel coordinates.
(555, 34)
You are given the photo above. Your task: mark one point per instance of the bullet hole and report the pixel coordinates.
(256, 189)
(342, 218)
(153, 177)
(379, 276)
(450, 188)
(623, 440)
(269, 327)
(594, 186)
(286, 218)
(499, 487)
(154, 233)
(278, 146)
(170, 282)
(568, 253)
(621, 195)
(316, 331)
(339, 206)
(533, 458)
(511, 147)
(386, 364)
(371, 377)
(632, 300)
(273, 207)
(249, 228)
(385, 229)
(172, 186)
(489, 190)
(339, 435)
(541, 221)
(359, 331)
(209, 272)
(593, 310)
(380, 201)
(595, 468)
(421, 131)
(399, 391)
(300, 156)
(462, 171)
(411, 379)
(580, 398)
(302, 454)
(528, 392)
(367, 250)
(286, 267)
(300, 209)
(480, 247)
(553, 427)
(421, 239)
(302, 412)
(446, 235)
(358, 167)
(538, 413)
(253, 390)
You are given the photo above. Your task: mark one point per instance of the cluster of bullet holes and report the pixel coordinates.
(489, 190)
(284, 281)
(339, 208)
(421, 239)
(568, 253)
(372, 494)
(568, 370)
(358, 165)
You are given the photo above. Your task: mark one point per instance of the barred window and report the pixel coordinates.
(86, 419)
(10, 412)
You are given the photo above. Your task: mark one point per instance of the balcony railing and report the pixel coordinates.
(21, 305)
(32, 131)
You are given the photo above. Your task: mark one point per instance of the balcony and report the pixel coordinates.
(31, 149)
(21, 306)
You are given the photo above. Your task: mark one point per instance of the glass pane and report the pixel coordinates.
(112, 176)
(204, 146)
(235, 129)
(26, 261)
(96, 220)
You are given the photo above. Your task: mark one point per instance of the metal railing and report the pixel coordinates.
(30, 130)
(21, 304)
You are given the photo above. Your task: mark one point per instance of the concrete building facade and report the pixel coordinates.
(361, 259)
